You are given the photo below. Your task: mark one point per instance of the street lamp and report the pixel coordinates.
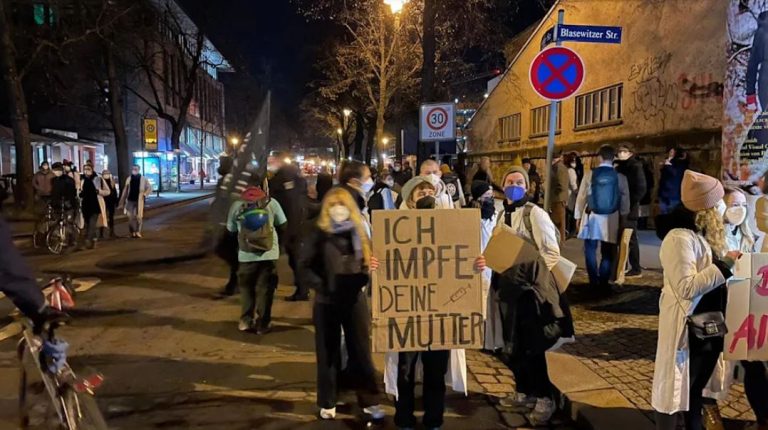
(234, 141)
(385, 141)
(396, 5)
(347, 112)
(339, 131)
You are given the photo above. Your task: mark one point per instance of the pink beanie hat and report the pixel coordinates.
(700, 192)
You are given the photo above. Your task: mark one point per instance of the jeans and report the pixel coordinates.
(329, 319)
(134, 222)
(756, 388)
(91, 226)
(231, 287)
(435, 364)
(257, 281)
(599, 276)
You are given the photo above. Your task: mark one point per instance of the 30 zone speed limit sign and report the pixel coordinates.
(438, 122)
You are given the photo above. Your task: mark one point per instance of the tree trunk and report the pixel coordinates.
(372, 129)
(175, 140)
(428, 48)
(380, 136)
(116, 115)
(23, 191)
(359, 135)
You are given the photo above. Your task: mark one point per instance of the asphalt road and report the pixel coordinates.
(172, 355)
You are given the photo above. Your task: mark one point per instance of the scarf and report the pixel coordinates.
(511, 208)
(349, 226)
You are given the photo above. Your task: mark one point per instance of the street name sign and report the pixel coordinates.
(588, 33)
(437, 122)
(557, 73)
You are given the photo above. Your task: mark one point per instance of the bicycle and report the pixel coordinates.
(42, 227)
(71, 397)
(63, 236)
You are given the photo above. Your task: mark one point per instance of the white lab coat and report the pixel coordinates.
(604, 228)
(686, 259)
(493, 338)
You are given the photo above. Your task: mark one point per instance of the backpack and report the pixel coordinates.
(256, 232)
(452, 186)
(605, 196)
(527, 209)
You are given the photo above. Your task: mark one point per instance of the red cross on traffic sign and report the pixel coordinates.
(557, 73)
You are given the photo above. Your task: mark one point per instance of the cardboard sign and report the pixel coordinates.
(426, 294)
(506, 249)
(747, 313)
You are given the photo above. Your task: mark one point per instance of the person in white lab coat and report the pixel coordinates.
(696, 265)
(482, 198)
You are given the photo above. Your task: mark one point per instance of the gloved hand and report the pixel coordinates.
(56, 353)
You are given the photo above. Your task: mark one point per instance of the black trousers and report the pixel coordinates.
(435, 364)
(292, 249)
(701, 365)
(231, 287)
(257, 281)
(354, 318)
(756, 388)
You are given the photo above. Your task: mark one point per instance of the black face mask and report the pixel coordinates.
(427, 202)
(487, 209)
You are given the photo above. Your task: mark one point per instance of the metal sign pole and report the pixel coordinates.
(552, 125)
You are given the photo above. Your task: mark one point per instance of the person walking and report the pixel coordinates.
(631, 167)
(324, 182)
(696, 265)
(41, 182)
(533, 316)
(93, 209)
(137, 188)
(557, 186)
(672, 171)
(569, 160)
(289, 188)
(336, 258)
(256, 219)
(110, 202)
(534, 191)
(63, 190)
(603, 198)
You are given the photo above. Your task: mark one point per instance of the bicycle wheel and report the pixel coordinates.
(82, 412)
(57, 239)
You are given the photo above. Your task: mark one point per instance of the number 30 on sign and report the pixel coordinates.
(437, 122)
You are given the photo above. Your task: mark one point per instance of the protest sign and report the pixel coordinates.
(426, 294)
(747, 313)
(506, 249)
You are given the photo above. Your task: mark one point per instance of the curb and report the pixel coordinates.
(590, 401)
(166, 259)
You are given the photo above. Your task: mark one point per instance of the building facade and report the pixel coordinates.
(661, 87)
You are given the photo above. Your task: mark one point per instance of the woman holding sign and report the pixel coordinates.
(534, 318)
(691, 321)
(336, 256)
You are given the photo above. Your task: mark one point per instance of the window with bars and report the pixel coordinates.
(599, 107)
(540, 120)
(509, 128)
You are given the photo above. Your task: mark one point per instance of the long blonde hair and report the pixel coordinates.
(747, 238)
(341, 196)
(710, 222)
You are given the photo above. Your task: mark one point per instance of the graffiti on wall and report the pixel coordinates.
(699, 88)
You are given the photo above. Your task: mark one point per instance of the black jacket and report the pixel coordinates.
(63, 191)
(328, 264)
(632, 168)
(324, 183)
(16, 278)
(290, 190)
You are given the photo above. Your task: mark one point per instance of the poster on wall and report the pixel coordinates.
(745, 100)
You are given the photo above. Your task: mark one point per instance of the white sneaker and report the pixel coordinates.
(375, 411)
(138, 235)
(243, 325)
(328, 414)
(542, 412)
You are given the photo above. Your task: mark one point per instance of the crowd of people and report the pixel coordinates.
(91, 199)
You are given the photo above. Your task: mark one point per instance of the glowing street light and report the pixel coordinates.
(287, 160)
(347, 112)
(234, 141)
(385, 141)
(396, 5)
(340, 131)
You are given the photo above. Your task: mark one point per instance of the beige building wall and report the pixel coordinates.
(671, 67)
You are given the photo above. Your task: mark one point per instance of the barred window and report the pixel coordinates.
(509, 128)
(540, 119)
(599, 107)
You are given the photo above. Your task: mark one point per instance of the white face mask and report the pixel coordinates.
(434, 178)
(367, 186)
(573, 165)
(721, 207)
(339, 213)
(390, 183)
(736, 215)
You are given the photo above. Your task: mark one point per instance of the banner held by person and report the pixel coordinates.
(747, 312)
(426, 293)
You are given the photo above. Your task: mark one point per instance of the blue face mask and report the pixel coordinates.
(514, 193)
